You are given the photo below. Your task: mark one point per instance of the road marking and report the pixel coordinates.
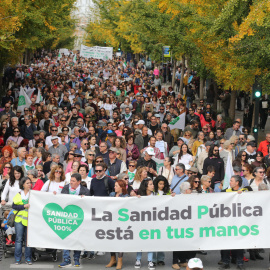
(26, 266)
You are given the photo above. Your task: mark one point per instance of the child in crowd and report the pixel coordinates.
(9, 230)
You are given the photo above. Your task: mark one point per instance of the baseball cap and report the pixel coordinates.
(157, 115)
(140, 122)
(54, 138)
(193, 169)
(36, 132)
(150, 151)
(121, 124)
(113, 149)
(82, 129)
(111, 133)
(78, 153)
(195, 263)
(251, 138)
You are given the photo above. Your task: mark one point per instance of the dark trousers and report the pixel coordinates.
(183, 256)
(236, 253)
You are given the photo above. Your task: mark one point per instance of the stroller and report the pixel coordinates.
(39, 252)
(6, 248)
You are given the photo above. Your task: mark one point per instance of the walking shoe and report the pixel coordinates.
(77, 263)
(137, 264)
(29, 262)
(202, 252)
(9, 242)
(100, 253)
(84, 256)
(65, 264)
(220, 262)
(161, 263)
(91, 256)
(151, 266)
(18, 262)
(245, 259)
(175, 266)
(183, 264)
(224, 266)
(240, 266)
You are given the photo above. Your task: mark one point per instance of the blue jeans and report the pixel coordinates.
(149, 256)
(158, 257)
(21, 234)
(76, 255)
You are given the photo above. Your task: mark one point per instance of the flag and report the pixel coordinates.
(59, 56)
(178, 122)
(29, 92)
(24, 101)
(75, 58)
(228, 173)
(39, 97)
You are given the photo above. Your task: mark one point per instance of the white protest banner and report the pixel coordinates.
(152, 223)
(97, 52)
(159, 163)
(39, 97)
(64, 51)
(178, 122)
(24, 101)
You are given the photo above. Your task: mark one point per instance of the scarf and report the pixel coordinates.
(127, 116)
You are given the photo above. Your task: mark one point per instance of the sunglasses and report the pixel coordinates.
(196, 182)
(98, 170)
(92, 155)
(16, 131)
(58, 171)
(126, 178)
(81, 131)
(7, 167)
(54, 129)
(72, 138)
(26, 110)
(77, 156)
(99, 161)
(131, 165)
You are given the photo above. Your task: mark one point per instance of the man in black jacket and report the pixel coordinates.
(218, 163)
(147, 161)
(73, 188)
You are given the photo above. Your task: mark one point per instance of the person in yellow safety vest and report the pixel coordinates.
(21, 206)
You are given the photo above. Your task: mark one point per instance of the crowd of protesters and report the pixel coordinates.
(103, 129)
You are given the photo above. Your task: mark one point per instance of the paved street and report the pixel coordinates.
(209, 261)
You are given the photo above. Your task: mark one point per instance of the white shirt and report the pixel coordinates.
(185, 159)
(10, 191)
(136, 184)
(51, 186)
(88, 180)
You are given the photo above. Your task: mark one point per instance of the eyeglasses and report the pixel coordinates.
(221, 143)
(77, 156)
(81, 131)
(244, 155)
(196, 182)
(131, 165)
(215, 151)
(260, 172)
(40, 171)
(7, 167)
(53, 129)
(99, 161)
(232, 144)
(86, 144)
(16, 131)
(126, 178)
(7, 107)
(98, 171)
(26, 110)
(58, 171)
(62, 120)
(92, 155)
(71, 154)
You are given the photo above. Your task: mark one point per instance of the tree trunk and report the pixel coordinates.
(188, 68)
(182, 75)
(201, 87)
(174, 71)
(232, 105)
(216, 95)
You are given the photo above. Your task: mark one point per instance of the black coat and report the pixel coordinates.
(83, 190)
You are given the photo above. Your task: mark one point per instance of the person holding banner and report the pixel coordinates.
(146, 189)
(73, 188)
(120, 191)
(21, 206)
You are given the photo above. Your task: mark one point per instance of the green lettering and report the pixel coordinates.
(207, 231)
(153, 232)
(202, 210)
(254, 230)
(144, 234)
(221, 231)
(122, 212)
(244, 230)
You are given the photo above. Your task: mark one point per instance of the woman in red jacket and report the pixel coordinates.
(37, 184)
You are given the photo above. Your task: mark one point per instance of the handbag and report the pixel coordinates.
(11, 220)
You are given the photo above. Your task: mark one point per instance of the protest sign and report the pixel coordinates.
(104, 53)
(152, 223)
